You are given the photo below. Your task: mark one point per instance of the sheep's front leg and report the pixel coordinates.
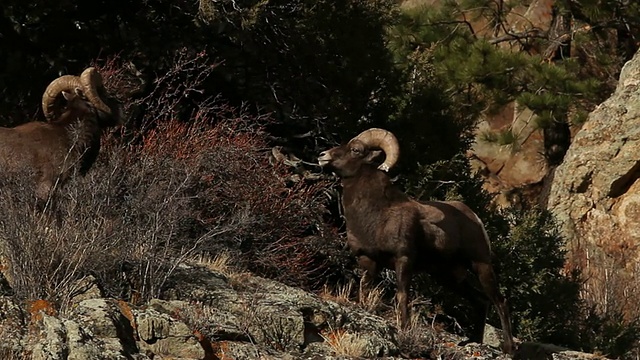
(370, 268)
(403, 279)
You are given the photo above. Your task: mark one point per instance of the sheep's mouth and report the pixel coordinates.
(324, 159)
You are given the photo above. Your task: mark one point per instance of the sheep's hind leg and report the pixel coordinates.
(456, 279)
(489, 283)
(480, 305)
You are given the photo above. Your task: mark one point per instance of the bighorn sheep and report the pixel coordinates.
(71, 138)
(387, 229)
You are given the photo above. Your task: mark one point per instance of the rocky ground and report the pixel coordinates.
(210, 315)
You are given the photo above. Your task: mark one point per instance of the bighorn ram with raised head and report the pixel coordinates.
(387, 229)
(71, 138)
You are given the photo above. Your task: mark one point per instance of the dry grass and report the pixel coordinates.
(340, 293)
(370, 298)
(10, 349)
(226, 264)
(415, 339)
(11, 354)
(221, 263)
(345, 343)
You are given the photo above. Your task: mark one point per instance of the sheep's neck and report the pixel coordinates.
(83, 132)
(370, 190)
(366, 199)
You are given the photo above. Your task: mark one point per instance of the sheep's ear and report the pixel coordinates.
(78, 92)
(67, 95)
(374, 156)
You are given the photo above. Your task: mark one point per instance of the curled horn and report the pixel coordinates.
(91, 81)
(383, 140)
(63, 83)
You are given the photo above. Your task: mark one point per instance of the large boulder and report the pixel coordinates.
(595, 194)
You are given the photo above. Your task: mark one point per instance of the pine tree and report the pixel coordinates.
(483, 64)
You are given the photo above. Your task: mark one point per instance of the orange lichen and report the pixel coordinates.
(127, 312)
(209, 353)
(39, 307)
(220, 350)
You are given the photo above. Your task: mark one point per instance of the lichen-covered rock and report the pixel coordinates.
(91, 334)
(268, 320)
(161, 334)
(87, 289)
(104, 320)
(83, 345)
(512, 166)
(12, 326)
(215, 322)
(282, 317)
(50, 341)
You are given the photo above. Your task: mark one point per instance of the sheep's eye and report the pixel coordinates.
(355, 150)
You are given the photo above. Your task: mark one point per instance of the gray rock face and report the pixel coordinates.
(595, 194)
(280, 317)
(163, 335)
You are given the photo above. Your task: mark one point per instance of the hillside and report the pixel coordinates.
(209, 307)
(176, 209)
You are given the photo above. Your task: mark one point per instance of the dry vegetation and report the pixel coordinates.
(345, 343)
(369, 299)
(612, 276)
(172, 192)
(414, 339)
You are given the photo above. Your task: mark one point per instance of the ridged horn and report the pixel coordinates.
(383, 140)
(91, 81)
(63, 83)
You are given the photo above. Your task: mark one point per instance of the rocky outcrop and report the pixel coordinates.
(202, 316)
(206, 315)
(595, 194)
(513, 173)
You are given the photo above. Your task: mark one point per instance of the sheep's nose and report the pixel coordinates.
(324, 158)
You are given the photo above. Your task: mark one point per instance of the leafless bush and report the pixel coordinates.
(147, 208)
(278, 227)
(115, 223)
(173, 190)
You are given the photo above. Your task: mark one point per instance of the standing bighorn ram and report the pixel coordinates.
(69, 141)
(387, 229)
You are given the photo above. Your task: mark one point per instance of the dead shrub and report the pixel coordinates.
(159, 195)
